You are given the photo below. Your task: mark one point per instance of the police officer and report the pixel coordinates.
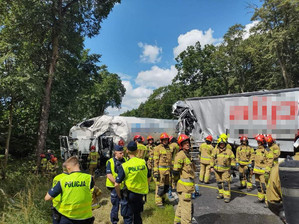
(274, 148)
(57, 200)
(183, 172)
(142, 152)
(205, 150)
(221, 162)
(274, 193)
(263, 161)
(75, 195)
(244, 156)
(93, 158)
(162, 168)
(136, 177)
(112, 168)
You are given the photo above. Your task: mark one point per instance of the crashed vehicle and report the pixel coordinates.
(105, 131)
(262, 112)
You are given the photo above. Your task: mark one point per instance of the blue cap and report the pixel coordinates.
(132, 146)
(118, 148)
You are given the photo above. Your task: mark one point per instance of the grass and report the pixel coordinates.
(22, 200)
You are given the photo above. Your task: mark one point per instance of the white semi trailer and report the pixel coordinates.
(105, 131)
(263, 112)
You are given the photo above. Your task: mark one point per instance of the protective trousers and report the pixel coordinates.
(92, 168)
(261, 186)
(162, 186)
(183, 213)
(205, 172)
(245, 176)
(223, 183)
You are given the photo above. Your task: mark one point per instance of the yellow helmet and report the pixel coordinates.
(222, 140)
(223, 136)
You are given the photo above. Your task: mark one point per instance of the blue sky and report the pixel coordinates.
(140, 38)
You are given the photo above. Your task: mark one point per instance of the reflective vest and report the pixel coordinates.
(136, 175)
(93, 156)
(76, 196)
(56, 201)
(114, 174)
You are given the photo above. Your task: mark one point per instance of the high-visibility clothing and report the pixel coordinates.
(222, 159)
(244, 155)
(44, 163)
(175, 148)
(76, 196)
(162, 158)
(57, 200)
(142, 151)
(150, 162)
(93, 157)
(263, 160)
(114, 174)
(276, 152)
(205, 153)
(136, 175)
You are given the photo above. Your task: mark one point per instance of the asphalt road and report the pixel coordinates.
(241, 209)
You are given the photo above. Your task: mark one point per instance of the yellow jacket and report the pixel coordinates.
(206, 151)
(162, 158)
(263, 160)
(222, 159)
(244, 155)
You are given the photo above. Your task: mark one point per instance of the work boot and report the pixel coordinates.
(249, 189)
(226, 200)
(193, 196)
(219, 196)
(241, 187)
(207, 182)
(259, 201)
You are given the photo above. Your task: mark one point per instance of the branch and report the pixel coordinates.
(65, 8)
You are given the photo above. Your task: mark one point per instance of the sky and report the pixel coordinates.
(141, 38)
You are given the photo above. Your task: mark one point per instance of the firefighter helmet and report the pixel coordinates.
(54, 160)
(92, 147)
(182, 138)
(269, 139)
(260, 138)
(243, 138)
(136, 137)
(164, 135)
(209, 138)
(222, 140)
(121, 142)
(42, 155)
(142, 139)
(223, 136)
(149, 138)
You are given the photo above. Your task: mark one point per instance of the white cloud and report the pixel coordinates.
(156, 77)
(190, 38)
(150, 53)
(247, 28)
(124, 76)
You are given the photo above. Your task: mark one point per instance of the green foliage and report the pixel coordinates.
(267, 59)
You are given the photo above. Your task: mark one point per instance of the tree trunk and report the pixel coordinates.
(4, 168)
(283, 69)
(43, 124)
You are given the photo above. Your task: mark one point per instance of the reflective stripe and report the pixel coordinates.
(242, 162)
(220, 167)
(291, 169)
(290, 192)
(163, 166)
(205, 158)
(186, 182)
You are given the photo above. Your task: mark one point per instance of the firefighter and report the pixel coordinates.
(274, 192)
(43, 163)
(142, 152)
(121, 143)
(222, 161)
(112, 168)
(150, 147)
(57, 200)
(205, 153)
(244, 156)
(263, 160)
(52, 166)
(175, 149)
(135, 176)
(184, 174)
(76, 199)
(274, 148)
(162, 168)
(96, 193)
(93, 158)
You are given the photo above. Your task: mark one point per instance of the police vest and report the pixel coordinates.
(136, 175)
(56, 201)
(114, 174)
(76, 196)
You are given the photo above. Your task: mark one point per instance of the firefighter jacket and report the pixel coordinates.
(44, 163)
(263, 160)
(150, 162)
(174, 148)
(184, 165)
(244, 155)
(93, 158)
(276, 151)
(142, 151)
(222, 159)
(274, 193)
(162, 158)
(51, 167)
(206, 151)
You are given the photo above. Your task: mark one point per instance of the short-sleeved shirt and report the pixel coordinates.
(117, 165)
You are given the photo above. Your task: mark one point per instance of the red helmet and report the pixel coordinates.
(54, 160)
(260, 138)
(209, 138)
(149, 137)
(269, 139)
(52, 156)
(170, 138)
(121, 142)
(92, 147)
(183, 138)
(42, 155)
(142, 139)
(243, 138)
(164, 135)
(136, 137)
